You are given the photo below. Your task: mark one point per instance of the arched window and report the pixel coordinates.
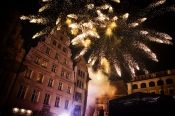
(143, 85)
(151, 84)
(169, 81)
(135, 86)
(160, 82)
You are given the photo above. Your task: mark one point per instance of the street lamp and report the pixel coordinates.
(21, 111)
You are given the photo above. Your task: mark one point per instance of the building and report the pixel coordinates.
(81, 87)
(162, 82)
(142, 104)
(46, 86)
(103, 101)
(151, 94)
(11, 51)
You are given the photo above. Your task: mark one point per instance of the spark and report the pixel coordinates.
(104, 31)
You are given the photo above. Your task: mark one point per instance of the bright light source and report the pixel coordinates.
(15, 110)
(64, 114)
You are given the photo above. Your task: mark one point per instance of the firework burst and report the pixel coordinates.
(111, 38)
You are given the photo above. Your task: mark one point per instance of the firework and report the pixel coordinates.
(106, 31)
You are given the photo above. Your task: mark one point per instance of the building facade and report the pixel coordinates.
(81, 87)
(11, 51)
(162, 82)
(46, 86)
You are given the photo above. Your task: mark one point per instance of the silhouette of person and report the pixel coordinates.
(101, 111)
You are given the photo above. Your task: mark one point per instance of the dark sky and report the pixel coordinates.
(164, 23)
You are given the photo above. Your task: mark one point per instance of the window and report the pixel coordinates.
(80, 84)
(54, 43)
(22, 92)
(66, 104)
(151, 84)
(60, 85)
(162, 92)
(56, 56)
(171, 91)
(67, 75)
(57, 101)
(62, 73)
(143, 85)
(81, 73)
(54, 67)
(44, 63)
(28, 73)
(47, 99)
(48, 51)
(135, 86)
(78, 97)
(160, 82)
(37, 60)
(35, 95)
(77, 110)
(40, 78)
(169, 81)
(65, 61)
(153, 92)
(69, 89)
(59, 46)
(50, 83)
(64, 49)
(61, 38)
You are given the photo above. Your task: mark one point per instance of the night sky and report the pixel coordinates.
(165, 23)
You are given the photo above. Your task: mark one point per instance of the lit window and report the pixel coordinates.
(60, 85)
(35, 95)
(50, 83)
(22, 92)
(37, 60)
(47, 99)
(57, 101)
(54, 67)
(44, 63)
(48, 50)
(28, 73)
(66, 104)
(40, 78)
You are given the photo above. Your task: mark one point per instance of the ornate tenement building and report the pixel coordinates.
(51, 85)
(11, 51)
(81, 87)
(162, 82)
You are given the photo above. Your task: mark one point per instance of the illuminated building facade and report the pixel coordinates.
(11, 51)
(81, 87)
(47, 85)
(162, 82)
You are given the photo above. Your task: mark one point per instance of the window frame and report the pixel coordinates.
(22, 91)
(35, 95)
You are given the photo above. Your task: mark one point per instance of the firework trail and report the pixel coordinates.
(110, 31)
